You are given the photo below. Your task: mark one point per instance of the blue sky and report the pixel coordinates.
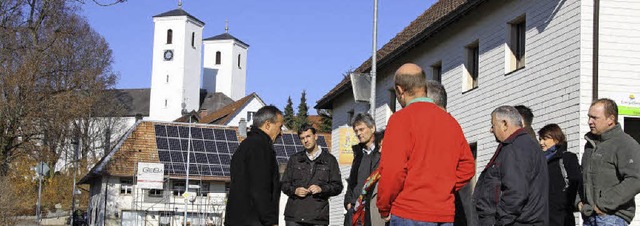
(294, 45)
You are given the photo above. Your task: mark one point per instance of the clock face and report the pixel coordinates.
(168, 54)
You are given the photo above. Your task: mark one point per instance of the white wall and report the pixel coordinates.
(183, 70)
(252, 106)
(549, 84)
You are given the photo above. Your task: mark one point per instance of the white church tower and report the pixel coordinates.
(225, 65)
(175, 74)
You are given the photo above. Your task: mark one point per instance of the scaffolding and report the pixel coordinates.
(151, 207)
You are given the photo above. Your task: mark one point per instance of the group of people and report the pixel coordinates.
(422, 176)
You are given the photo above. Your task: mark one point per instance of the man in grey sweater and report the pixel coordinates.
(611, 169)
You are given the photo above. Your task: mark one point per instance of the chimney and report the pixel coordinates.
(242, 128)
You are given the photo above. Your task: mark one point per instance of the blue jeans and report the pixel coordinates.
(604, 220)
(399, 221)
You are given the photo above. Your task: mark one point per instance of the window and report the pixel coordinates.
(169, 36)
(167, 79)
(472, 66)
(155, 193)
(204, 189)
(436, 71)
(126, 186)
(178, 188)
(250, 115)
(516, 45)
(350, 117)
(392, 100)
(239, 61)
(218, 56)
(193, 39)
(165, 103)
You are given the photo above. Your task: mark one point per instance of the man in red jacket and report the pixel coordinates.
(427, 157)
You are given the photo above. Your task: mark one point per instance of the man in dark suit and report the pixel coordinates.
(254, 193)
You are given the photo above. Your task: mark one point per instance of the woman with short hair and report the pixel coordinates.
(565, 178)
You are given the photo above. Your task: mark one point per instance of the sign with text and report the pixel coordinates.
(150, 175)
(628, 103)
(347, 138)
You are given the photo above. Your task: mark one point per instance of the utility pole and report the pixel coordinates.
(76, 148)
(186, 183)
(372, 102)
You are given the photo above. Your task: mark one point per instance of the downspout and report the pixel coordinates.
(596, 41)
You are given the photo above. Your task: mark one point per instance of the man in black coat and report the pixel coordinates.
(513, 188)
(254, 193)
(311, 177)
(366, 158)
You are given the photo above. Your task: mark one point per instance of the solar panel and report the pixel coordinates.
(207, 134)
(222, 147)
(288, 139)
(161, 142)
(321, 141)
(161, 131)
(219, 134)
(164, 156)
(198, 145)
(196, 133)
(211, 149)
(231, 135)
(183, 131)
(172, 131)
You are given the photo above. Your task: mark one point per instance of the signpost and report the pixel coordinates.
(41, 170)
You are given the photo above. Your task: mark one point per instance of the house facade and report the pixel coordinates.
(542, 54)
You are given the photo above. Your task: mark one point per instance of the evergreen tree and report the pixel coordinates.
(325, 122)
(289, 115)
(303, 115)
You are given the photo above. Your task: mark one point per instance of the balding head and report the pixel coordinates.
(410, 83)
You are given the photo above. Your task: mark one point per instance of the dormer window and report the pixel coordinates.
(169, 36)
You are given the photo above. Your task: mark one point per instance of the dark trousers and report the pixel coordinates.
(291, 223)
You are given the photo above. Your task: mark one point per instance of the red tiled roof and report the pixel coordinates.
(226, 113)
(432, 20)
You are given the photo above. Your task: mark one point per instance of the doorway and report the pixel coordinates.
(631, 126)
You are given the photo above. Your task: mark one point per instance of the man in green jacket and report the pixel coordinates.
(611, 169)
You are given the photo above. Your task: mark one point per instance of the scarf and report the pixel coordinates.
(359, 210)
(550, 152)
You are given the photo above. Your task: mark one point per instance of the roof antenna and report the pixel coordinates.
(226, 26)
(180, 4)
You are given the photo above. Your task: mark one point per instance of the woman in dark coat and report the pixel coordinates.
(564, 175)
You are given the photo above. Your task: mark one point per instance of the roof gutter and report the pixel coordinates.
(596, 48)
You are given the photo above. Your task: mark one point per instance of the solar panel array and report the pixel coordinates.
(288, 144)
(211, 149)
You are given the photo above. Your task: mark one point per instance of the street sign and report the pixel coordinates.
(42, 169)
(361, 86)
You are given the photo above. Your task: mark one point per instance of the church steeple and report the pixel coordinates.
(176, 67)
(225, 65)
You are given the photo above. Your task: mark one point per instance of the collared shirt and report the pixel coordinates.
(368, 150)
(315, 155)
(420, 99)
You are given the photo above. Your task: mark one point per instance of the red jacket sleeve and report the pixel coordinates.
(393, 163)
(466, 165)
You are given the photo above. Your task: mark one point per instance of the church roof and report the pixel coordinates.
(225, 36)
(178, 12)
(133, 101)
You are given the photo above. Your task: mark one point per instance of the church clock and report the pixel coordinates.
(168, 54)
